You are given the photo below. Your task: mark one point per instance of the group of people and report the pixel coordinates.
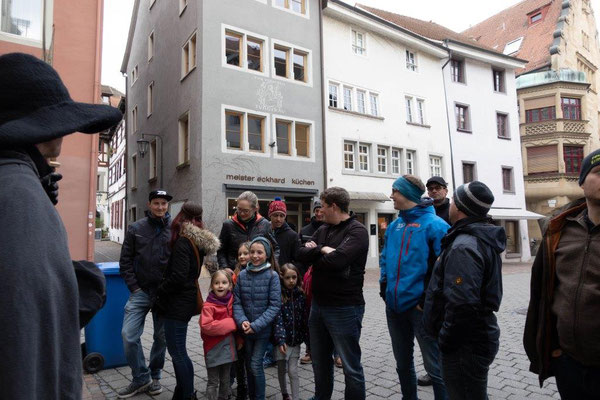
(440, 278)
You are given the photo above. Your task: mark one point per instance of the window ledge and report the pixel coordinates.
(504, 137)
(464, 130)
(188, 73)
(340, 110)
(152, 180)
(500, 91)
(417, 124)
(183, 165)
(509, 192)
(369, 174)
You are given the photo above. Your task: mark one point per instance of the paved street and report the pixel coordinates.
(509, 376)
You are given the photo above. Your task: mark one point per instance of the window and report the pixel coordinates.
(411, 61)
(22, 18)
(502, 125)
(188, 56)
(134, 113)
(435, 166)
(290, 62)
(302, 137)
(468, 170)
(360, 101)
(333, 95)
(409, 116)
(382, 159)
(507, 180)
(363, 157)
(537, 17)
(571, 108)
(243, 50)
(184, 139)
(542, 159)
(349, 155)
(280, 55)
(254, 54)
(133, 173)
(151, 3)
(540, 114)
(134, 75)
(410, 162)
(150, 98)
(153, 160)
(498, 76)
(256, 129)
(233, 130)
(233, 48)
(585, 40)
(462, 117)
(347, 98)
(457, 70)
(513, 46)
(283, 130)
(151, 46)
(358, 43)
(182, 6)
(297, 6)
(374, 104)
(421, 111)
(300, 65)
(395, 161)
(573, 155)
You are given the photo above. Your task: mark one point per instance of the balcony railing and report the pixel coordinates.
(545, 77)
(555, 126)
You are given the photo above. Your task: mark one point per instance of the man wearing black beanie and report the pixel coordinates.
(465, 291)
(562, 328)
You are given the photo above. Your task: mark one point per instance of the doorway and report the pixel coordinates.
(383, 221)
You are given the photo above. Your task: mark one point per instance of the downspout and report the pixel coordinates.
(323, 128)
(448, 115)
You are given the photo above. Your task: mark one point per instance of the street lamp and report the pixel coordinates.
(142, 147)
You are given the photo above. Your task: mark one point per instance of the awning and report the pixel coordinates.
(369, 196)
(513, 213)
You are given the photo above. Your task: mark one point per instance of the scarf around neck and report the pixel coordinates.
(213, 298)
(258, 268)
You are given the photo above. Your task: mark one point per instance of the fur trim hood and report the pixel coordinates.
(203, 238)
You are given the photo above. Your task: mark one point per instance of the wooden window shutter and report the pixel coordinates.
(542, 159)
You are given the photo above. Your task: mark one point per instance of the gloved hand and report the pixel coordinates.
(50, 185)
(382, 289)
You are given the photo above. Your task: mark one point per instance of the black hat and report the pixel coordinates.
(317, 204)
(35, 105)
(437, 179)
(159, 193)
(474, 198)
(589, 162)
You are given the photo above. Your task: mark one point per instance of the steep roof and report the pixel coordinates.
(513, 23)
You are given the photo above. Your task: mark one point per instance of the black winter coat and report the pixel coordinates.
(291, 323)
(466, 286)
(177, 291)
(443, 211)
(288, 243)
(145, 253)
(308, 230)
(235, 232)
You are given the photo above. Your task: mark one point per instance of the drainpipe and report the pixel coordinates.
(448, 115)
(323, 105)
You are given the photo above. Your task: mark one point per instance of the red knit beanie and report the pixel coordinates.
(277, 206)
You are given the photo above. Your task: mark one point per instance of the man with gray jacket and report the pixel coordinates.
(144, 257)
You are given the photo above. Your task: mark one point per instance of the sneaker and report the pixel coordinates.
(154, 388)
(424, 380)
(306, 359)
(338, 362)
(133, 389)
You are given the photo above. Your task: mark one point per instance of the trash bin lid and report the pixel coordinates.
(109, 268)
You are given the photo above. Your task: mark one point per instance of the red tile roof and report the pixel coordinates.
(513, 23)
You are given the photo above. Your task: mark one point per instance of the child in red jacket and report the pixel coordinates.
(217, 329)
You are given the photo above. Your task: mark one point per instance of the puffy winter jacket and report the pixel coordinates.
(217, 329)
(287, 239)
(257, 300)
(412, 243)
(291, 323)
(466, 286)
(145, 253)
(235, 232)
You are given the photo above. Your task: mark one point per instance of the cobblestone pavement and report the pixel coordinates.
(509, 377)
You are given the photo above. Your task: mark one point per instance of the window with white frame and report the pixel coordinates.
(360, 101)
(463, 120)
(134, 75)
(182, 5)
(421, 111)
(502, 125)
(233, 48)
(244, 50)
(469, 171)
(291, 63)
(245, 131)
(152, 158)
(184, 139)
(283, 131)
(349, 155)
(302, 139)
(256, 133)
(395, 161)
(358, 43)
(134, 125)
(234, 129)
(150, 98)
(410, 160)
(151, 46)
(333, 95)
(411, 60)
(363, 157)
(508, 184)
(409, 115)
(382, 159)
(188, 56)
(347, 98)
(297, 6)
(374, 104)
(435, 166)
(22, 18)
(151, 3)
(293, 137)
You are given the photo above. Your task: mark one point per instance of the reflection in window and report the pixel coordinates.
(254, 48)
(282, 129)
(232, 48)
(280, 55)
(22, 18)
(233, 129)
(255, 133)
(299, 66)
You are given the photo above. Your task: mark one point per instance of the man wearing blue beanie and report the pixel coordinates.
(412, 244)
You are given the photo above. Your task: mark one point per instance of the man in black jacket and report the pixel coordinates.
(338, 253)
(465, 291)
(144, 257)
(315, 223)
(437, 189)
(286, 238)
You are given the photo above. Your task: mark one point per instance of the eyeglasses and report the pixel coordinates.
(436, 188)
(243, 210)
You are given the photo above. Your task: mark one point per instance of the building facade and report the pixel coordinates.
(70, 39)
(117, 180)
(226, 102)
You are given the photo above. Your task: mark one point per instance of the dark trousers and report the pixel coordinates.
(175, 334)
(574, 380)
(465, 370)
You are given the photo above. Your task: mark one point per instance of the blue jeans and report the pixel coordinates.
(255, 352)
(175, 333)
(466, 370)
(339, 327)
(574, 380)
(403, 328)
(136, 309)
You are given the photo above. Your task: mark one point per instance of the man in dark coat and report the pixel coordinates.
(39, 293)
(286, 238)
(315, 222)
(437, 189)
(464, 293)
(562, 327)
(144, 258)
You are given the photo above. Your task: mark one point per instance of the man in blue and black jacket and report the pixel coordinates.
(412, 243)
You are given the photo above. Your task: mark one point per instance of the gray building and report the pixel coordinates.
(227, 96)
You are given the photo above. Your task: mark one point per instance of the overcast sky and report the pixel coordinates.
(457, 15)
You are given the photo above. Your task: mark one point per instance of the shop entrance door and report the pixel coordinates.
(383, 221)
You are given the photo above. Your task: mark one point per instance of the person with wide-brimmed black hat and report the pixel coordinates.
(39, 292)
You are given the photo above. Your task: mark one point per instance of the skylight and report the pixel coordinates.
(513, 47)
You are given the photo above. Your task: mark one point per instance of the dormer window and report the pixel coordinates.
(535, 18)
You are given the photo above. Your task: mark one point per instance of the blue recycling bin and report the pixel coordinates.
(103, 343)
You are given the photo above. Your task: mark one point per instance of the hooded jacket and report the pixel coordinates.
(217, 329)
(177, 291)
(466, 285)
(287, 239)
(412, 243)
(235, 232)
(145, 253)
